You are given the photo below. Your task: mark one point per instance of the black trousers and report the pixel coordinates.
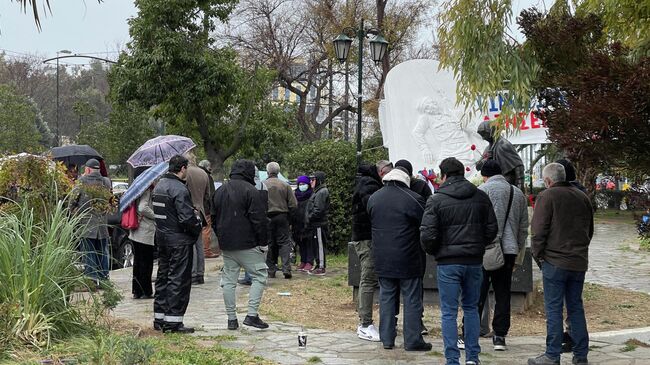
(280, 243)
(173, 284)
(501, 281)
(319, 245)
(142, 269)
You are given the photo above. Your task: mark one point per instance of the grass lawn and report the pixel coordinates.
(326, 302)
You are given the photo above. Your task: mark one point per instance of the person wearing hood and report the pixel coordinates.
(571, 176)
(458, 223)
(316, 211)
(417, 185)
(395, 215)
(503, 152)
(239, 218)
(368, 182)
(178, 226)
(301, 235)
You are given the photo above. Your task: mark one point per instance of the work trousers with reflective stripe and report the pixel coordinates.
(173, 283)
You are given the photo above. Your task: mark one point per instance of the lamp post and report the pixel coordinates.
(58, 135)
(378, 46)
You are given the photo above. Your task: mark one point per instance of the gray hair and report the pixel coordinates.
(273, 168)
(383, 164)
(206, 165)
(554, 172)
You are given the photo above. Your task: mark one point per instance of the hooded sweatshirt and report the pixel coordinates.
(501, 150)
(318, 205)
(239, 214)
(458, 223)
(368, 182)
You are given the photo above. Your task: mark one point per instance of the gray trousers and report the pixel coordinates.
(253, 262)
(198, 262)
(368, 282)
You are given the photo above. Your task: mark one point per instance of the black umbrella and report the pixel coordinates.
(76, 154)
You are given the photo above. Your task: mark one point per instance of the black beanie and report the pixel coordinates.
(568, 168)
(406, 165)
(490, 168)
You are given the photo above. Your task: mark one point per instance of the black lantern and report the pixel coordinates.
(378, 48)
(342, 45)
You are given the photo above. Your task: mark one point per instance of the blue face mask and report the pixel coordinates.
(303, 187)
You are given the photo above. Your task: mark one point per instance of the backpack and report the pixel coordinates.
(130, 217)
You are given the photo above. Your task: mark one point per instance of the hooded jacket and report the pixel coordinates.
(458, 223)
(396, 212)
(368, 182)
(238, 212)
(501, 150)
(177, 224)
(318, 205)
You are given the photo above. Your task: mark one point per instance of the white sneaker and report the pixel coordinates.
(369, 333)
(460, 343)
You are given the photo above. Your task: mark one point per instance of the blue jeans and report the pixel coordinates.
(454, 280)
(389, 292)
(95, 257)
(559, 286)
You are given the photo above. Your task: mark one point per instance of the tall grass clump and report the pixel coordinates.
(38, 275)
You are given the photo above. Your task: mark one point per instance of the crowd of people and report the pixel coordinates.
(476, 234)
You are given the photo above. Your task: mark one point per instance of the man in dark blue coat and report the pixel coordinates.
(395, 215)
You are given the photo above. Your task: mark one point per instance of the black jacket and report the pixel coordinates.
(368, 182)
(458, 223)
(396, 212)
(318, 205)
(421, 188)
(177, 223)
(238, 212)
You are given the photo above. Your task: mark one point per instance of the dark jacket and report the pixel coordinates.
(458, 223)
(281, 198)
(208, 199)
(177, 223)
(318, 205)
(421, 188)
(368, 182)
(562, 227)
(396, 213)
(239, 214)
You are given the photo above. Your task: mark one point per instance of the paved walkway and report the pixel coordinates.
(206, 312)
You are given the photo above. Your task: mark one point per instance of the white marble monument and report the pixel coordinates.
(420, 120)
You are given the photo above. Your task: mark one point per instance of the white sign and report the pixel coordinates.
(532, 130)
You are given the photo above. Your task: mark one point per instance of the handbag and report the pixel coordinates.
(130, 219)
(493, 257)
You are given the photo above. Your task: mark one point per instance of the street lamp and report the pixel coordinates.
(378, 47)
(58, 135)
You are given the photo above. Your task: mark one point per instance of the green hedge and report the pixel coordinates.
(337, 159)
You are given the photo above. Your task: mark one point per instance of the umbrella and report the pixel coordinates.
(142, 183)
(76, 154)
(160, 149)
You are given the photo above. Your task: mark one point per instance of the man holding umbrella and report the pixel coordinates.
(177, 228)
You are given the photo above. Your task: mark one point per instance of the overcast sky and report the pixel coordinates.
(86, 26)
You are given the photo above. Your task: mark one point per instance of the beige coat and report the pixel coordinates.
(147, 223)
(198, 183)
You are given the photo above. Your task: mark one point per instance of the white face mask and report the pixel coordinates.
(303, 187)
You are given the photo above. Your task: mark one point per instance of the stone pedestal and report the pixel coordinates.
(522, 281)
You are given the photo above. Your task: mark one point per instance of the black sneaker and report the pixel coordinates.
(157, 325)
(177, 328)
(233, 324)
(198, 280)
(579, 361)
(255, 321)
(567, 343)
(287, 275)
(499, 343)
(388, 346)
(245, 282)
(272, 274)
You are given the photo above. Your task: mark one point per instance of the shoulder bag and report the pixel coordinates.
(493, 257)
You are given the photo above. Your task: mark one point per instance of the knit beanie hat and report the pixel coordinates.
(490, 168)
(302, 179)
(406, 165)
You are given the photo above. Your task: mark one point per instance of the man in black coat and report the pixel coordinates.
(316, 212)
(458, 223)
(368, 182)
(417, 185)
(178, 226)
(395, 213)
(239, 219)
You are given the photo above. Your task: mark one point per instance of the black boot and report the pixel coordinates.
(255, 321)
(177, 328)
(158, 325)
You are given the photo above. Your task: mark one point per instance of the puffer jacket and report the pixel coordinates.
(458, 223)
(318, 205)
(239, 214)
(368, 182)
(177, 223)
